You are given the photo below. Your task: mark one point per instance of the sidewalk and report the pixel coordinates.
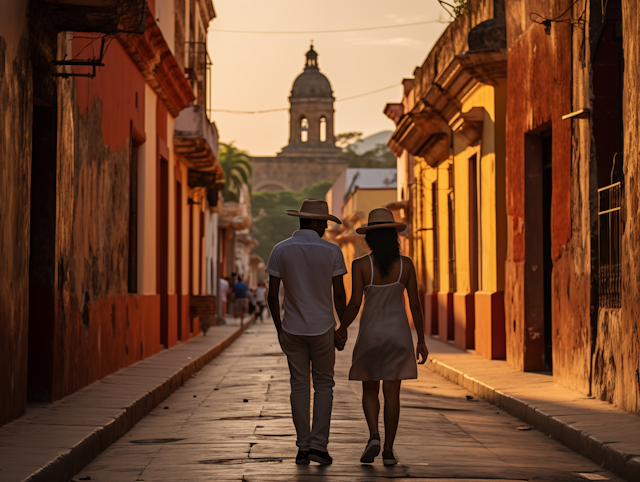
(53, 442)
(593, 428)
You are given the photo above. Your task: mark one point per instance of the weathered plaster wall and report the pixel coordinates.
(16, 99)
(99, 328)
(616, 363)
(571, 280)
(538, 92)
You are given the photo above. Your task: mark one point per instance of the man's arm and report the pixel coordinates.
(273, 301)
(339, 296)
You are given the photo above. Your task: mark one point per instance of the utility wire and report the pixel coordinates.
(227, 111)
(267, 32)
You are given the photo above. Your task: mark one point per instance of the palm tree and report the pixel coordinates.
(236, 165)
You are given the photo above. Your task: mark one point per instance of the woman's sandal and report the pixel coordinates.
(388, 458)
(371, 451)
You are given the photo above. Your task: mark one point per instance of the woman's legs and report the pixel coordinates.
(371, 405)
(391, 390)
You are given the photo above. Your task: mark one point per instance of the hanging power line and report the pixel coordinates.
(271, 32)
(229, 111)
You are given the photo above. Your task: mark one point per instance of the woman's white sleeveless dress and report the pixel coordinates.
(384, 348)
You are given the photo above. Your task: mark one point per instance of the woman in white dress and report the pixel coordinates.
(384, 348)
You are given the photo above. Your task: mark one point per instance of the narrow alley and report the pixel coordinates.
(232, 421)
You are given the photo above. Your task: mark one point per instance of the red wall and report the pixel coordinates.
(122, 330)
(118, 86)
(539, 91)
(538, 95)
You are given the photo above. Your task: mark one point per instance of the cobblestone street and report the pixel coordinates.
(232, 421)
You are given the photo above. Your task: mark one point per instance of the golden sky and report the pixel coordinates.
(255, 71)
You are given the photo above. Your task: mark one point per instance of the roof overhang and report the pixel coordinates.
(104, 16)
(426, 130)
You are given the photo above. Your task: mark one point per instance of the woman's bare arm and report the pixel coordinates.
(416, 313)
(357, 289)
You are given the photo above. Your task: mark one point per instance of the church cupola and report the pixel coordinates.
(312, 59)
(311, 112)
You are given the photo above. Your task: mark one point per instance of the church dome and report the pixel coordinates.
(311, 83)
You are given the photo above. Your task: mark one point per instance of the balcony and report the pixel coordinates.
(196, 139)
(197, 70)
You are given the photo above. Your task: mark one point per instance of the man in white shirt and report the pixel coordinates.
(309, 267)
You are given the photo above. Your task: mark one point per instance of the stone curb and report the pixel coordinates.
(66, 465)
(620, 463)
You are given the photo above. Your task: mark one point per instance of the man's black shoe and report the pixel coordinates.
(302, 458)
(321, 457)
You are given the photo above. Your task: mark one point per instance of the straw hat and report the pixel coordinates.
(381, 218)
(312, 209)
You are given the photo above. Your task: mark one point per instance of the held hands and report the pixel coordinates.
(422, 352)
(340, 339)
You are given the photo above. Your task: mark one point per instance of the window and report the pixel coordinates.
(132, 261)
(304, 130)
(434, 221)
(609, 204)
(452, 234)
(323, 129)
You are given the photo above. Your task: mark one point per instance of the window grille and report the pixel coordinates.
(198, 71)
(609, 237)
(434, 221)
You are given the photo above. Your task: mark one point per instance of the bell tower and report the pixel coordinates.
(311, 155)
(311, 112)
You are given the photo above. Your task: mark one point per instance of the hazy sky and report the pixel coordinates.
(256, 71)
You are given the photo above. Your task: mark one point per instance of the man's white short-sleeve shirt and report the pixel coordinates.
(306, 263)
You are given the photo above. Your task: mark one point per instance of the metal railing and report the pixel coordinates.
(198, 71)
(609, 240)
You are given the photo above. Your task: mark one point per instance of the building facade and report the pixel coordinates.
(104, 188)
(517, 171)
(450, 145)
(571, 174)
(311, 155)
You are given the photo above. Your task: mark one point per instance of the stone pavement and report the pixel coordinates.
(52, 442)
(593, 428)
(231, 421)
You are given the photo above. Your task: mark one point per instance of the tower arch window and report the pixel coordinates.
(323, 129)
(304, 129)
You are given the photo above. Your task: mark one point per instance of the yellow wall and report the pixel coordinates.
(490, 189)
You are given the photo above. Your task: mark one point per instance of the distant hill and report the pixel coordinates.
(371, 142)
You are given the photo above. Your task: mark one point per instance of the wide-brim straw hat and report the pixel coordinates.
(312, 209)
(381, 218)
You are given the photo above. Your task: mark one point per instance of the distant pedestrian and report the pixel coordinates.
(223, 288)
(309, 268)
(251, 301)
(261, 293)
(241, 301)
(384, 347)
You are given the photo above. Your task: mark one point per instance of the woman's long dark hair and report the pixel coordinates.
(385, 248)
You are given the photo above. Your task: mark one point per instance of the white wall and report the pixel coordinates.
(165, 17)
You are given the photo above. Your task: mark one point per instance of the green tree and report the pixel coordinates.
(236, 165)
(270, 224)
(456, 8)
(378, 157)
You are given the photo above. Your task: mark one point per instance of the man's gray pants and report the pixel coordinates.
(317, 352)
